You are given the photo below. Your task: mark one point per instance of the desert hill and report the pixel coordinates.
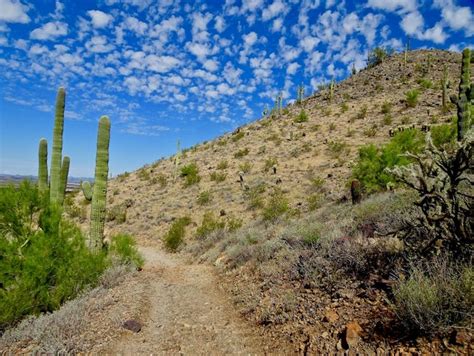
(321, 149)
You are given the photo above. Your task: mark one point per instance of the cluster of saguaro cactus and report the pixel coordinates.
(300, 94)
(59, 172)
(465, 98)
(99, 194)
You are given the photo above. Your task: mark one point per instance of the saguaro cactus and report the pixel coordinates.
(63, 178)
(55, 175)
(43, 165)
(300, 94)
(444, 86)
(466, 94)
(99, 196)
(177, 160)
(331, 90)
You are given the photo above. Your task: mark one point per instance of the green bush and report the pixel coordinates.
(411, 98)
(191, 174)
(302, 117)
(277, 205)
(123, 247)
(443, 134)
(372, 161)
(218, 177)
(209, 224)
(236, 137)
(175, 235)
(117, 213)
(222, 165)
(204, 198)
(269, 163)
(245, 167)
(254, 196)
(241, 153)
(386, 107)
(44, 260)
(435, 297)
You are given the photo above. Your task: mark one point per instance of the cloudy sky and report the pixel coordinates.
(165, 70)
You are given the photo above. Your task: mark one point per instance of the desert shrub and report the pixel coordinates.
(190, 173)
(241, 153)
(233, 224)
(222, 165)
(362, 114)
(117, 213)
(443, 134)
(270, 163)
(387, 119)
(386, 107)
(425, 83)
(143, 174)
(160, 179)
(337, 148)
(314, 201)
(254, 196)
(218, 177)
(123, 247)
(208, 225)
(371, 131)
(332, 126)
(123, 176)
(175, 235)
(245, 167)
(435, 297)
(377, 56)
(239, 135)
(372, 160)
(302, 117)
(276, 206)
(411, 98)
(204, 197)
(344, 108)
(45, 261)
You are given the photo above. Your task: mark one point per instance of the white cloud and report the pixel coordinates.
(292, 68)
(308, 43)
(13, 11)
(201, 51)
(98, 44)
(211, 65)
(276, 8)
(219, 24)
(394, 5)
(251, 5)
(435, 34)
(250, 39)
(49, 31)
(277, 25)
(133, 24)
(412, 23)
(99, 19)
(161, 64)
(456, 17)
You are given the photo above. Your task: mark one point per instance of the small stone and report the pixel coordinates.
(132, 325)
(325, 335)
(330, 316)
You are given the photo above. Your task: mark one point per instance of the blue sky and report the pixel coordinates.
(164, 70)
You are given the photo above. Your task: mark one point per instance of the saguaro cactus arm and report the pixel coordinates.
(43, 165)
(63, 178)
(99, 196)
(56, 157)
(87, 190)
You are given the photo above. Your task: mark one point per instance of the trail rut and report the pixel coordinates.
(187, 312)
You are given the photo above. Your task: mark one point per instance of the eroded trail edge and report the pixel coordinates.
(186, 311)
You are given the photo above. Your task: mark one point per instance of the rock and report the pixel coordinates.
(132, 325)
(330, 316)
(351, 335)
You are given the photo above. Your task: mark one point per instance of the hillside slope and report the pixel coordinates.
(324, 147)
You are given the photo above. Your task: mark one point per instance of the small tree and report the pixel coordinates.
(377, 56)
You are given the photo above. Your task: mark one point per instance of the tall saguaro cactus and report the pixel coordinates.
(63, 179)
(99, 195)
(55, 176)
(444, 87)
(466, 95)
(43, 165)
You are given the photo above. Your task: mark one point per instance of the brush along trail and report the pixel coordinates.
(185, 311)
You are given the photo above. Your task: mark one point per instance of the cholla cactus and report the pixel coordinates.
(464, 100)
(444, 183)
(43, 165)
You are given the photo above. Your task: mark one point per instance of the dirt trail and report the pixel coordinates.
(186, 312)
